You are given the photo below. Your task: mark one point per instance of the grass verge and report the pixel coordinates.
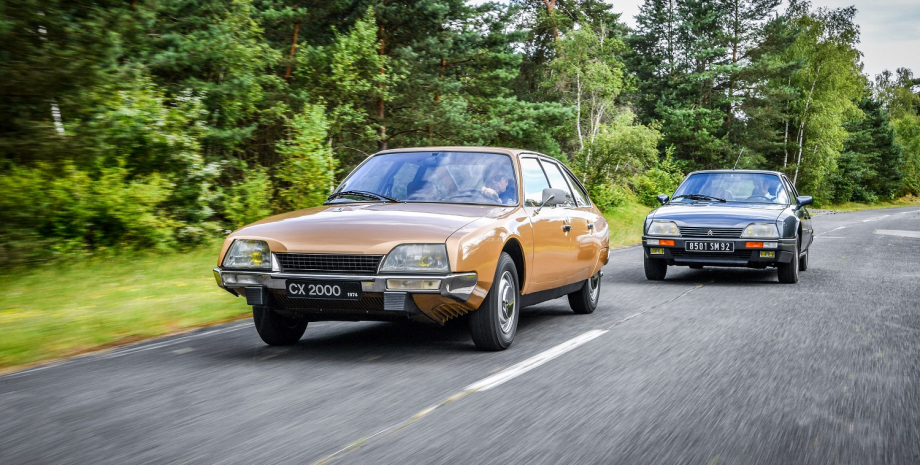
(72, 308)
(626, 224)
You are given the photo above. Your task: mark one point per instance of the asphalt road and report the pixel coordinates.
(710, 366)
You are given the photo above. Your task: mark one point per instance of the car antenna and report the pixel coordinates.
(739, 158)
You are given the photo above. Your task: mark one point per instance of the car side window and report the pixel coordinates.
(581, 197)
(790, 187)
(534, 182)
(557, 181)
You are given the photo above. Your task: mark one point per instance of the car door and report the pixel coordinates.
(552, 240)
(584, 247)
(591, 243)
(802, 213)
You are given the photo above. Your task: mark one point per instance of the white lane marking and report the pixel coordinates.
(832, 237)
(832, 230)
(497, 379)
(517, 370)
(875, 218)
(895, 232)
(481, 385)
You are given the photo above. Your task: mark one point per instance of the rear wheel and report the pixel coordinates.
(495, 322)
(584, 300)
(788, 273)
(276, 329)
(655, 268)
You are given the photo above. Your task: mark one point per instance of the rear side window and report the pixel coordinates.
(557, 180)
(534, 182)
(581, 197)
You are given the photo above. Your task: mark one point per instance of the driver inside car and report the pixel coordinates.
(498, 187)
(762, 188)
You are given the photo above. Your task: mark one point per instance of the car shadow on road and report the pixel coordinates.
(716, 275)
(409, 340)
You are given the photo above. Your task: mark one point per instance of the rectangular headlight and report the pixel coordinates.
(765, 230)
(248, 254)
(417, 258)
(663, 228)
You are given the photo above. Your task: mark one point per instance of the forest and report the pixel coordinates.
(157, 124)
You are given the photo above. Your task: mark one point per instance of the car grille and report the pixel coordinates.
(366, 264)
(730, 233)
(737, 256)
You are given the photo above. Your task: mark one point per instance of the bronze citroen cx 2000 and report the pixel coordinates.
(426, 234)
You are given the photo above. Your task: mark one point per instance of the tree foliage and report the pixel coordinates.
(157, 123)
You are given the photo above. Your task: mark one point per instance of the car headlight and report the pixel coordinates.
(423, 258)
(245, 253)
(765, 230)
(663, 228)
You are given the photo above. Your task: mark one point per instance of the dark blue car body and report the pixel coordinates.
(712, 227)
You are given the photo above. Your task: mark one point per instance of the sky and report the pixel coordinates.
(889, 30)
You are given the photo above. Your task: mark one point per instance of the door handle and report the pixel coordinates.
(590, 225)
(566, 228)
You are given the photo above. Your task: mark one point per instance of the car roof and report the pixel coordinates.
(775, 173)
(460, 148)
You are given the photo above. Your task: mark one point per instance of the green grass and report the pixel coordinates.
(626, 224)
(907, 201)
(73, 307)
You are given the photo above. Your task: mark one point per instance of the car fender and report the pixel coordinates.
(478, 245)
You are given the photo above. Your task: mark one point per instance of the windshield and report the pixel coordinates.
(444, 177)
(732, 187)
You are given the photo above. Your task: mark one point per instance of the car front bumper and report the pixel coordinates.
(742, 256)
(383, 296)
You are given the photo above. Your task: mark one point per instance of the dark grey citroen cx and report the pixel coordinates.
(741, 218)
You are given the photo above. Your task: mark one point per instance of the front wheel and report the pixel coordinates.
(276, 329)
(655, 268)
(584, 300)
(494, 324)
(788, 273)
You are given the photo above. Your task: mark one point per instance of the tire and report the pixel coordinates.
(788, 273)
(655, 268)
(803, 261)
(494, 324)
(275, 329)
(584, 300)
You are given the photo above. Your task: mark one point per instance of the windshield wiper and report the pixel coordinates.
(365, 194)
(698, 197)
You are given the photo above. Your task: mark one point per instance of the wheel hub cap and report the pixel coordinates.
(507, 303)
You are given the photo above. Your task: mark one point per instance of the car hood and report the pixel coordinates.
(719, 214)
(364, 228)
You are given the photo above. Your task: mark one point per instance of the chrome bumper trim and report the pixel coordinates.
(458, 286)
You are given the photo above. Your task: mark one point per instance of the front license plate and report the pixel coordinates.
(326, 290)
(694, 246)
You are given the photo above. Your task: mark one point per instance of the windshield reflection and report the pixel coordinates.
(439, 177)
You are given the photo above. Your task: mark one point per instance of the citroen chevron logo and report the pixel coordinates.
(710, 232)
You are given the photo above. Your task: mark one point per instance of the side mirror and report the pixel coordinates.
(663, 198)
(803, 200)
(553, 197)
